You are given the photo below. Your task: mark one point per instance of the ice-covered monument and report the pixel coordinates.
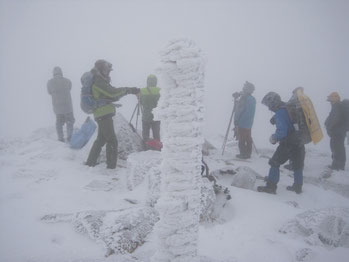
(180, 110)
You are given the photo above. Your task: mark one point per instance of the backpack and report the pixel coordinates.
(345, 108)
(88, 103)
(298, 120)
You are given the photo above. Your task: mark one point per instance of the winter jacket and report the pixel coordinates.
(335, 124)
(103, 90)
(59, 88)
(149, 97)
(284, 127)
(245, 110)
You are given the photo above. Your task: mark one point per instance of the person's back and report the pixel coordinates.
(149, 97)
(59, 88)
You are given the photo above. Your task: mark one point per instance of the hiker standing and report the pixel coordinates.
(102, 90)
(336, 130)
(59, 88)
(243, 120)
(148, 98)
(290, 147)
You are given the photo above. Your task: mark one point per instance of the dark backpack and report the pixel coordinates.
(88, 103)
(345, 108)
(297, 116)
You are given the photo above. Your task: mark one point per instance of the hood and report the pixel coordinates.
(152, 81)
(57, 71)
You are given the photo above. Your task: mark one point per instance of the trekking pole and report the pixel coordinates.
(255, 148)
(137, 115)
(130, 122)
(228, 129)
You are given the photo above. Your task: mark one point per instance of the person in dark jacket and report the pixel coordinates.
(148, 98)
(289, 148)
(59, 88)
(243, 120)
(335, 127)
(103, 90)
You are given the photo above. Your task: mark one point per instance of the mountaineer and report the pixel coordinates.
(103, 114)
(59, 88)
(289, 148)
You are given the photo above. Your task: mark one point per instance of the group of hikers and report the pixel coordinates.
(290, 147)
(101, 89)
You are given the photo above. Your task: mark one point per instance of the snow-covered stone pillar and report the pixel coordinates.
(180, 110)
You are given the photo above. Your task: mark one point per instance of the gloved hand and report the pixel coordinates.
(272, 140)
(133, 90)
(272, 120)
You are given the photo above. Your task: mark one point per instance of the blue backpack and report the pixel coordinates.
(80, 138)
(88, 103)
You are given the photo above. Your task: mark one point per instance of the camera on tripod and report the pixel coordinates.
(236, 95)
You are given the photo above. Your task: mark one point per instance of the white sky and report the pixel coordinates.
(275, 44)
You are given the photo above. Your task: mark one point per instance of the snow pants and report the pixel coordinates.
(338, 151)
(287, 151)
(245, 141)
(62, 119)
(154, 125)
(106, 135)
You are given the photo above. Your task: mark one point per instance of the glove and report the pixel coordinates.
(272, 140)
(272, 120)
(133, 90)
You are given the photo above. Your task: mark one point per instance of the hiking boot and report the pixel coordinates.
(295, 188)
(269, 188)
(333, 167)
(241, 156)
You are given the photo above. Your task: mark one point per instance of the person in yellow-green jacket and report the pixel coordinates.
(148, 98)
(104, 91)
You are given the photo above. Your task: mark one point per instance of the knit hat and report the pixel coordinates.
(333, 97)
(248, 88)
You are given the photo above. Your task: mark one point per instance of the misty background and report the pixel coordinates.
(276, 44)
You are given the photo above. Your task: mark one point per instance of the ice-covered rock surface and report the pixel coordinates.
(139, 164)
(120, 231)
(180, 110)
(245, 177)
(128, 140)
(327, 227)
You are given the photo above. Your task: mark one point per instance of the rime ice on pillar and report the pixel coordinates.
(180, 110)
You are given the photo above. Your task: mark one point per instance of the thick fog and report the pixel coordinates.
(276, 44)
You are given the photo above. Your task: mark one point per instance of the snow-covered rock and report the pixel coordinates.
(120, 231)
(128, 140)
(245, 177)
(324, 227)
(139, 164)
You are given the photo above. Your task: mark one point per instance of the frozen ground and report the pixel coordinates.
(40, 176)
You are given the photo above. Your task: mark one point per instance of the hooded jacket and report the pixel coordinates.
(103, 90)
(335, 124)
(149, 97)
(245, 111)
(59, 88)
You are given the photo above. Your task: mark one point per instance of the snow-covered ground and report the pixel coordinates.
(40, 176)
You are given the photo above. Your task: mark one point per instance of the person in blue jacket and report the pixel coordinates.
(243, 120)
(289, 148)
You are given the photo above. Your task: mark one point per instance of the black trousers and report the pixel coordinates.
(289, 151)
(106, 135)
(338, 151)
(154, 125)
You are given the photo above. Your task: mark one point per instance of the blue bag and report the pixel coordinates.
(80, 138)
